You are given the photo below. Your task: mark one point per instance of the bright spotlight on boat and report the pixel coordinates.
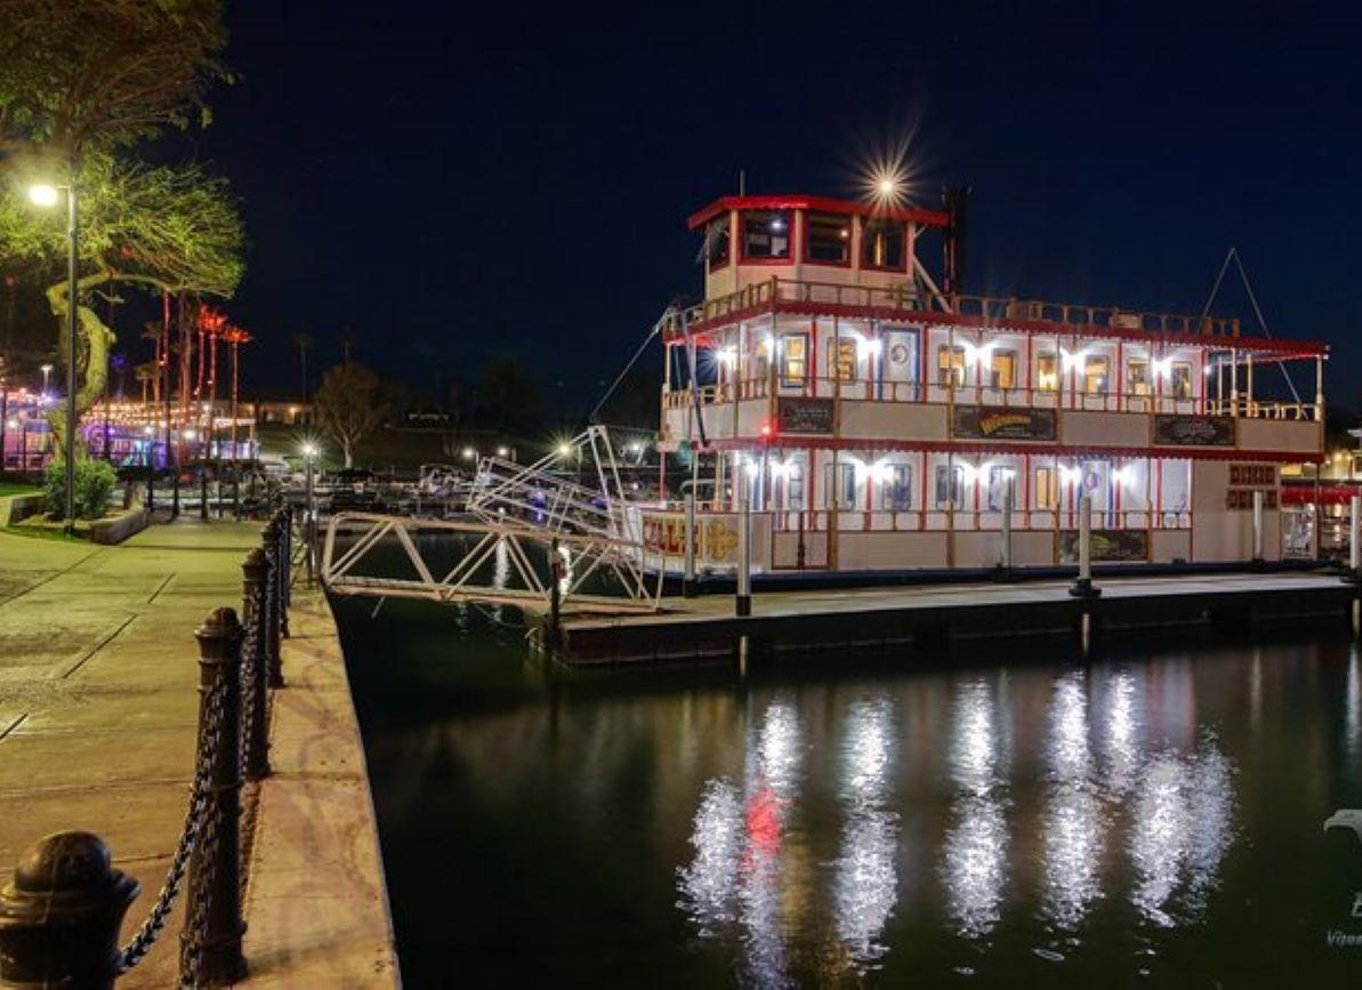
(565, 450)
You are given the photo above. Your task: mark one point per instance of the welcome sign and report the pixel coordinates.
(1002, 423)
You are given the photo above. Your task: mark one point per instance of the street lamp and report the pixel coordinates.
(43, 195)
(47, 372)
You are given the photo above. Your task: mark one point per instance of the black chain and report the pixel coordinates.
(253, 678)
(146, 936)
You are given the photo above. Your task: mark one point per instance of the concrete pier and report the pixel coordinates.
(699, 627)
(98, 709)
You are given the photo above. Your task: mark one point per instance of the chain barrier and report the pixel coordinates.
(140, 944)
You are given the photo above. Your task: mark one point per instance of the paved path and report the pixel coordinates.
(98, 705)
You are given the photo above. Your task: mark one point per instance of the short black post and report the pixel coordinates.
(273, 606)
(203, 495)
(151, 490)
(60, 914)
(215, 871)
(556, 572)
(175, 492)
(285, 566)
(236, 494)
(254, 574)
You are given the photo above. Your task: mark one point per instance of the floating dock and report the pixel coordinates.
(706, 626)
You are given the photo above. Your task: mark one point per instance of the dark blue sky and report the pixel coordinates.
(450, 183)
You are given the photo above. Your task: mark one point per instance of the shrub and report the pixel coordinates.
(95, 482)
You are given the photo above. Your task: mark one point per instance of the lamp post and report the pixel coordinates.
(46, 369)
(47, 196)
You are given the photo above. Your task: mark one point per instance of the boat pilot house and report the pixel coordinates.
(876, 417)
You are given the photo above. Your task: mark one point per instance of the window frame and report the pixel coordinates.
(953, 488)
(866, 242)
(832, 490)
(793, 481)
(787, 258)
(783, 352)
(711, 265)
(837, 348)
(957, 351)
(994, 472)
(1173, 380)
(1047, 483)
(993, 355)
(806, 247)
(886, 487)
(1055, 371)
(1090, 361)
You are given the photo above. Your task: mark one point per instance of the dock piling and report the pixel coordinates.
(743, 603)
(1083, 587)
(1257, 527)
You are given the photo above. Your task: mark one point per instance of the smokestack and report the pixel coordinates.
(955, 201)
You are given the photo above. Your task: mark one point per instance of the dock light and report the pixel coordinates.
(43, 195)
(728, 356)
(188, 434)
(502, 451)
(309, 450)
(565, 450)
(469, 453)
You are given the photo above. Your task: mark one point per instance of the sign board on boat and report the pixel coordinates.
(1002, 423)
(1107, 545)
(1174, 430)
(801, 415)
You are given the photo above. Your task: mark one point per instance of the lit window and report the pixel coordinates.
(950, 366)
(1095, 373)
(896, 490)
(1047, 373)
(717, 242)
(1003, 369)
(828, 238)
(794, 485)
(842, 486)
(883, 244)
(1046, 495)
(766, 234)
(842, 358)
(1137, 377)
(794, 352)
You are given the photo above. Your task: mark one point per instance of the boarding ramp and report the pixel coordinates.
(494, 561)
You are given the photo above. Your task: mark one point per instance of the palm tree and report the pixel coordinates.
(304, 342)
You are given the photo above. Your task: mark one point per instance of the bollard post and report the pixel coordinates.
(1258, 527)
(555, 595)
(151, 490)
(272, 603)
(60, 914)
(175, 492)
(285, 557)
(742, 604)
(210, 945)
(688, 580)
(1083, 587)
(203, 495)
(1007, 530)
(254, 573)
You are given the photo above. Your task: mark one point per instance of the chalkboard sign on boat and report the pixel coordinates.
(799, 415)
(1171, 430)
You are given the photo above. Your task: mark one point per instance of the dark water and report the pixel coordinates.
(1152, 819)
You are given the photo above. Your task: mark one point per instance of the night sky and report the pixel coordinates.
(448, 183)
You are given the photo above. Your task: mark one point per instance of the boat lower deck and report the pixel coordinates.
(707, 626)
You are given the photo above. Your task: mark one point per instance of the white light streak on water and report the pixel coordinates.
(1073, 825)
(866, 884)
(975, 854)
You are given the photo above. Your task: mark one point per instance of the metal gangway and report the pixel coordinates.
(538, 540)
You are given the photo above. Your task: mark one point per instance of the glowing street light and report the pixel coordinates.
(47, 373)
(469, 453)
(46, 196)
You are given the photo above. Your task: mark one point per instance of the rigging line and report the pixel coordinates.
(1215, 289)
(1263, 324)
(657, 329)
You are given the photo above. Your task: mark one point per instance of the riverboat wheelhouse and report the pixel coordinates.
(880, 419)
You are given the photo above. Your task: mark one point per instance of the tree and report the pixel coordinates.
(83, 75)
(506, 393)
(350, 404)
(172, 229)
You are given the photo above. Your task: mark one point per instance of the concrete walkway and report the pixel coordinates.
(98, 705)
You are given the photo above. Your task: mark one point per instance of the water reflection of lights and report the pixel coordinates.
(974, 867)
(1352, 717)
(1073, 827)
(736, 873)
(1181, 829)
(1122, 755)
(866, 884)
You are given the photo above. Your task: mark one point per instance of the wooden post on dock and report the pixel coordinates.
(688, 581)
(1083, 587)
(1257, 527)
(1354, 535)
(742, 604)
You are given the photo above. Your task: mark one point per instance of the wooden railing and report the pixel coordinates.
(907, 299)
(959, 521)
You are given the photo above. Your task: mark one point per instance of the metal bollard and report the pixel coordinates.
(254, 574)
(283, 556)
(273, 606)
(1257, 527)
(60, 914)
(215, 871)
(203, 496)
(1083, 587)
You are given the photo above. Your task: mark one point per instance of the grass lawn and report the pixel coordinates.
(17, 488)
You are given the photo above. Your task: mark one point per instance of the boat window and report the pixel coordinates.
(950, 365)
(1180, 380)
(1046, 494)
(1047, 373)
(842, 358)
(766, 234)
(1095, 372)
(950, 486)
(1003, 369)
(828, 238)
(896, 490)
(717, 242)
(883, 244)
(842, 485)
(1137, 377)
(794, 354)
(794, 485)
(1001, 480)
